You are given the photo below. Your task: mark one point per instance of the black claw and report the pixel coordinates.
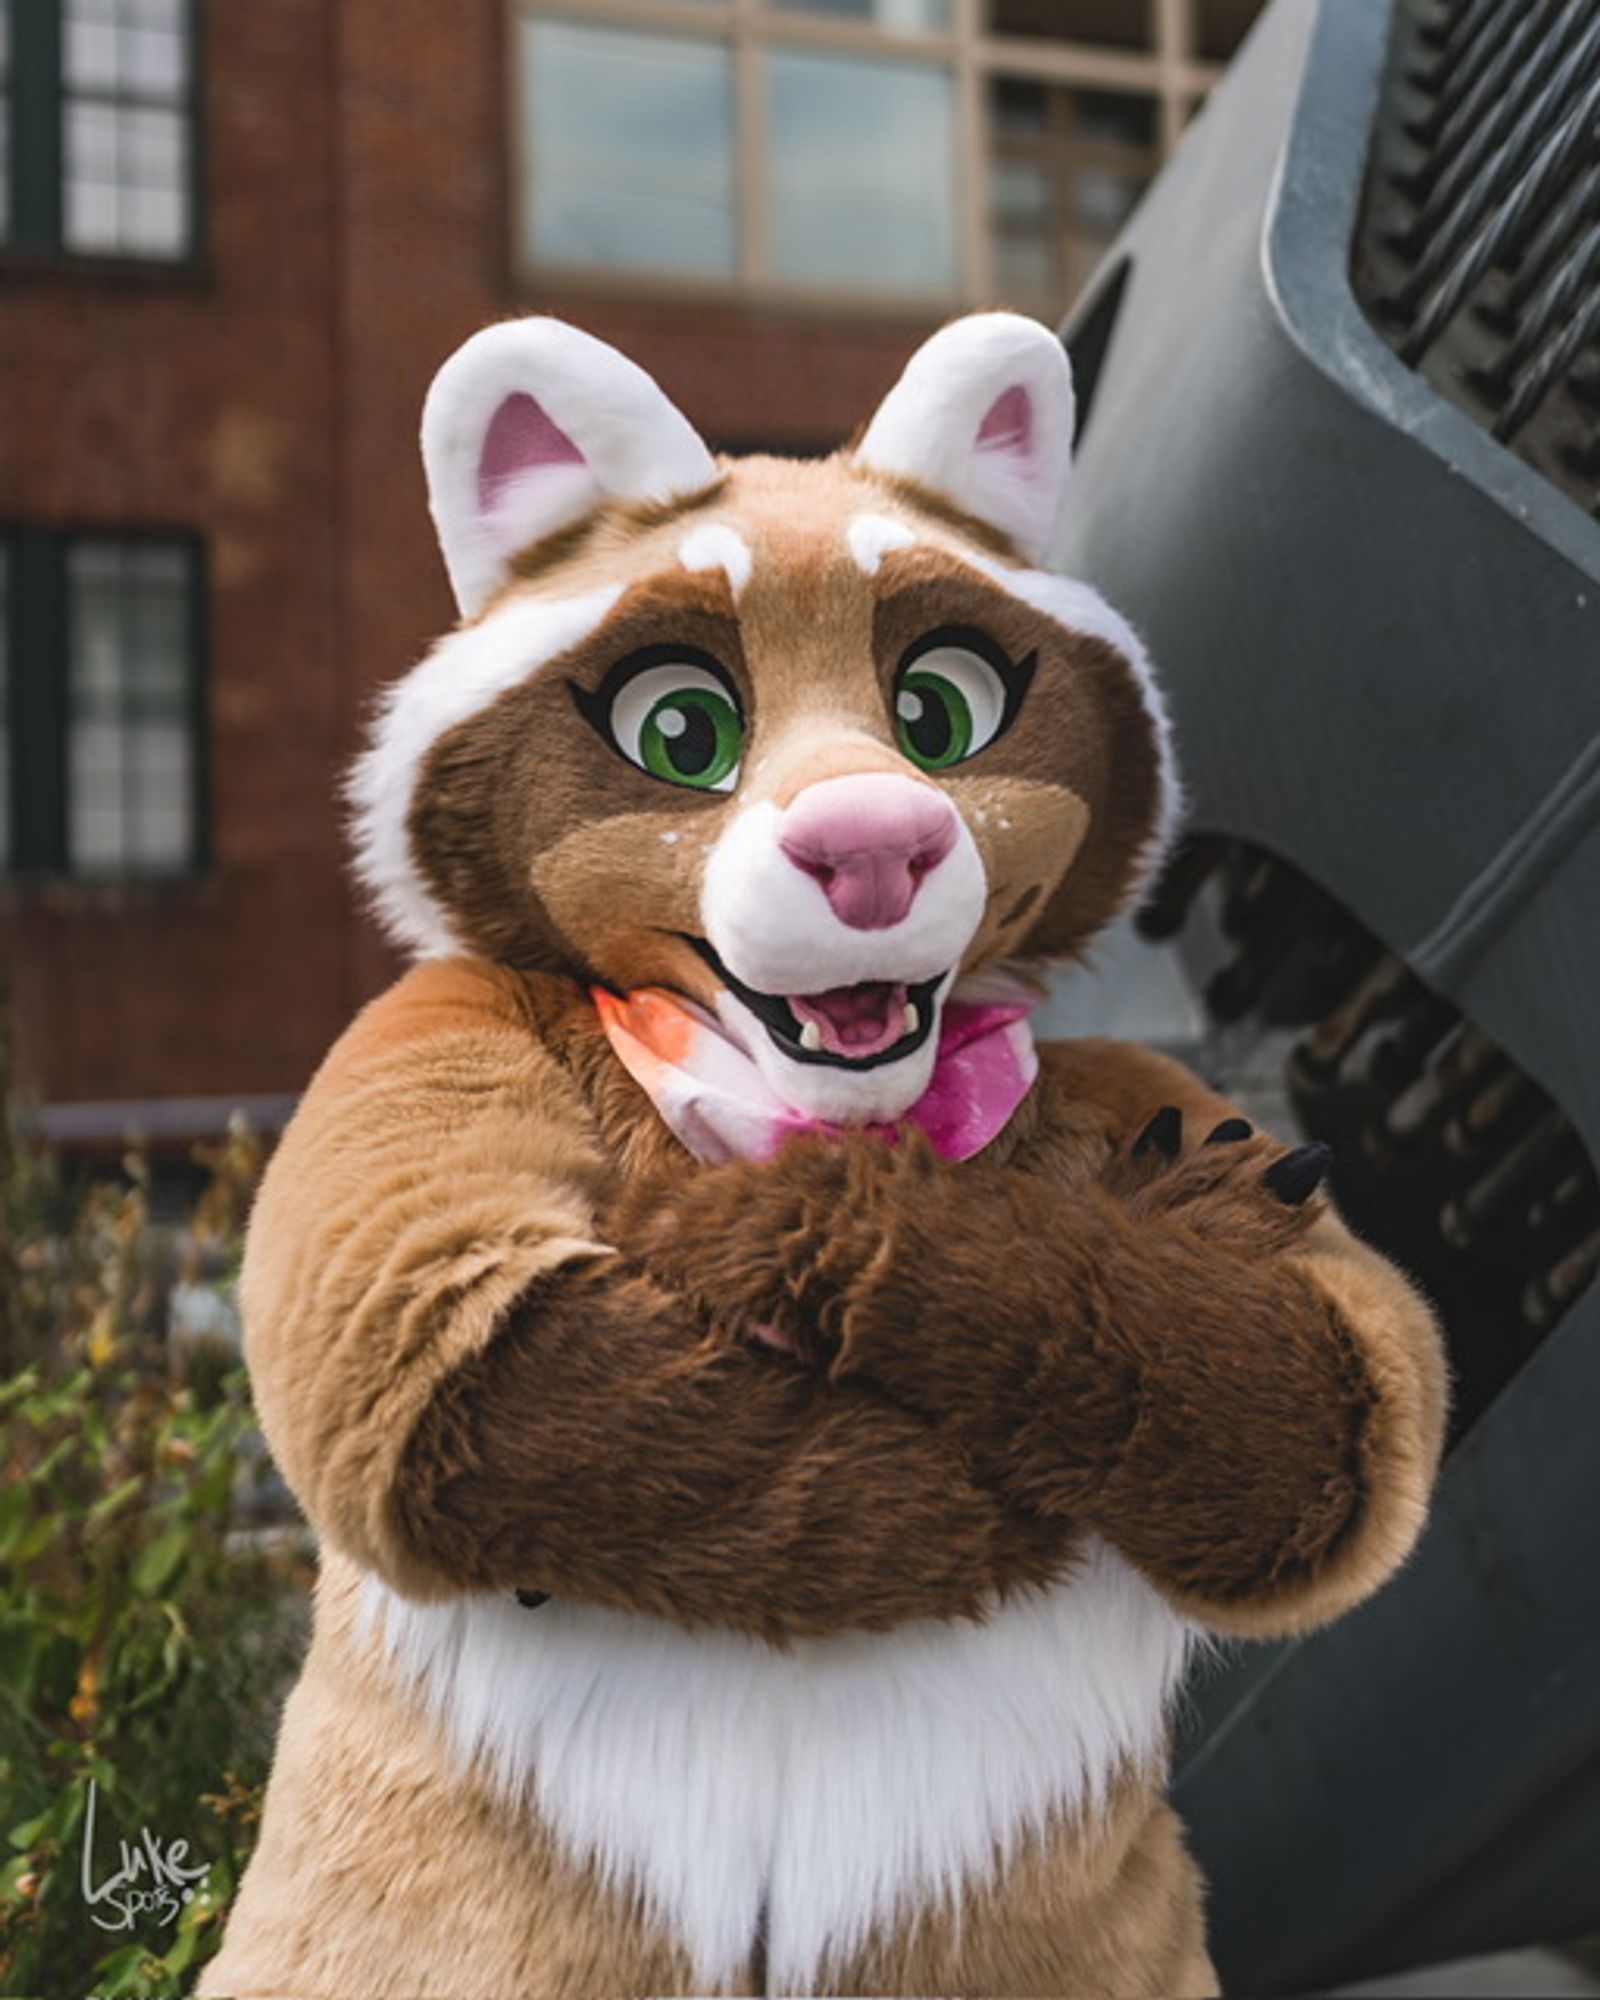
(1230, 1132)
(1296, 1177)
(1164, 1134)
(532, 1599)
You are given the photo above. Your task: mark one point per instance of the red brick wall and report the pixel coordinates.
(356, 198)
(204, 402)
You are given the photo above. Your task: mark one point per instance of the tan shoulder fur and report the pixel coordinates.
(440, 1162)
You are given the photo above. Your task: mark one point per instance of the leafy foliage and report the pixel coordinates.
(144, 1642)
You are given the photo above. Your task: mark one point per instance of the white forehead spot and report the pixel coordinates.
(872, 536)
(463, 674)
(714, 545)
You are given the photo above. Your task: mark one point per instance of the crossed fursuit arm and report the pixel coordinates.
(1172, 1342)
(468, 1388)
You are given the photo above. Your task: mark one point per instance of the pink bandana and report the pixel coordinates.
(715, 1099)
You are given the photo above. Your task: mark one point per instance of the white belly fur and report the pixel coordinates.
(836, 1786)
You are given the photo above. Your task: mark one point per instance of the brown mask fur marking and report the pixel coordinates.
(552, 852)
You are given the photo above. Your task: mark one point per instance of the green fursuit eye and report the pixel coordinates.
(692, 736)
(949, 703)
(935, 721)
(680, 722)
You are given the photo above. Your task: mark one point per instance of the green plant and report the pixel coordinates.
(143, 1642)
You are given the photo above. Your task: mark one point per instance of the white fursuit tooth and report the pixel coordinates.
(464, 674)
(775, 930)
(811, 1037)
(829, 1789)
(835, 1093)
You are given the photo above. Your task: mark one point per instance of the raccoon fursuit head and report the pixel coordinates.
(775, 1433)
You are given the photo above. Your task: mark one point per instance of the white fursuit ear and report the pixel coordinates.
(529, 425)
(983, 415)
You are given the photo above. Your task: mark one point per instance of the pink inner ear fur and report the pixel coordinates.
(1008, 426)
(520, 439)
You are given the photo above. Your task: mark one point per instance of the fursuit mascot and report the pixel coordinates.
(775, 1433)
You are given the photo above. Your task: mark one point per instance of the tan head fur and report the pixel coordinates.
(521, 799)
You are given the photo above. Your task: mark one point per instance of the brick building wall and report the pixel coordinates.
(355, 203)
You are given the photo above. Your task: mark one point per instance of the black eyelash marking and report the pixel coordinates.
(595, 704)
(1016, 676)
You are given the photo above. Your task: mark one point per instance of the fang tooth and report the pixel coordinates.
(911, 1017)
(811, 1037)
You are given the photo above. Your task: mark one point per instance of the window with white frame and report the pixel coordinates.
(102, 772)
(919, 152)
(100, 103)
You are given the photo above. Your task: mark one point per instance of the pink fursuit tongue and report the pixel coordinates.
(715, 1099)
(856, 1021)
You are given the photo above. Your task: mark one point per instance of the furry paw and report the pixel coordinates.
(772, 1251)
(1234, 1185)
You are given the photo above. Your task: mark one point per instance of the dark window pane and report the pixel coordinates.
(155, 62)
(629, 149)
(126, 179)
(1118, 24)
(1116, 118)
(1069, 166)
(1221, 25)
(89, 52)
(126, 159)
(1023, 192)
(1019, 110)
(151, 16)
(1102, 200)
(128, 48)
(861, 171)
(130, 750)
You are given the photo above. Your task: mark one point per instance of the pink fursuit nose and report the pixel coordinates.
(870, 842)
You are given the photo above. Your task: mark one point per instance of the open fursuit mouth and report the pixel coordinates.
(848, 1027)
